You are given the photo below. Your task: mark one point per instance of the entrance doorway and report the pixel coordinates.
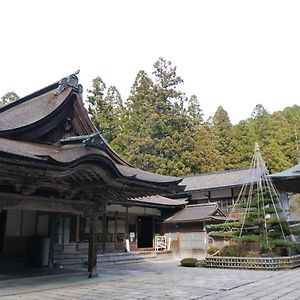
(145, 232)
(3, 214)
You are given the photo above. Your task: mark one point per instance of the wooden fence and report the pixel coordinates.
(258, 263)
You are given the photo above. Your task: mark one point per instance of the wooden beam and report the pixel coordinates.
(4, 195)
(39, 203)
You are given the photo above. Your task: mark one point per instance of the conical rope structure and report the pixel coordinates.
(259, 210)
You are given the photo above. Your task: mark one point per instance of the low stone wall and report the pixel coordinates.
(258, 263)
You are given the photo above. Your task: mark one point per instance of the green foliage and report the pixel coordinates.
(282, 243)
(106, 109)
(295, 229)
(161, 129)
(227, 143)
(275, 220)
(254, 203)
(189, 262)
(260, 223)
(267, 210)
(225, 234)
(227, 225)
(249, 238)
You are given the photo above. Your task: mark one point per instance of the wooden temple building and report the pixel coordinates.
(61, 182)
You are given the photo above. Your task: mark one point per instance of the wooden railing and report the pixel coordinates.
(258, 263)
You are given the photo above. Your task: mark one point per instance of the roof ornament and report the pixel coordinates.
(71, 81)
(257, 147)
(95, 140)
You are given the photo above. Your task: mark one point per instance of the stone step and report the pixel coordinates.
(108, 258)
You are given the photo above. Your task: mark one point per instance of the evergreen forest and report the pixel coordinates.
(159, 128)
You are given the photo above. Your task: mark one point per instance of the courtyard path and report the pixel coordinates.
(159, 280)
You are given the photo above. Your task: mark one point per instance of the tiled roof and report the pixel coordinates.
(289, 173)
(195, 213)
(288, 180)
(229, 178)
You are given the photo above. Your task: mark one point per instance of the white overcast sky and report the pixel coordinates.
(231, 53)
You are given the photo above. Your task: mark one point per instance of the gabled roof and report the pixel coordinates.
(197, 213)
(41, 112)
(216, 180)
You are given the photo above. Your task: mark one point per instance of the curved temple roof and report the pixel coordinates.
(21, 114)
(50, 130)
(65, 157)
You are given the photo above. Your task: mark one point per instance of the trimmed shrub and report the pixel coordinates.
(233, 250)
(213, 250)
(189, 262)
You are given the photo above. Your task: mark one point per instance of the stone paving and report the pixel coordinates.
(159, 280)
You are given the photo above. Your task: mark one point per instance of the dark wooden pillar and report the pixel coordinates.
(63, 233)
(92, 259)
(77, 231)
(104, 231)
(127, 238)
(53, 227)
(115, 230)
(126, 225)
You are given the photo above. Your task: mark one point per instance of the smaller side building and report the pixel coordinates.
(186, 228)
(222, 187)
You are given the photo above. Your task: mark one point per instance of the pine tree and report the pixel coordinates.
(225, 135)
(9, 97)
(106, 108)
(262, 220)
